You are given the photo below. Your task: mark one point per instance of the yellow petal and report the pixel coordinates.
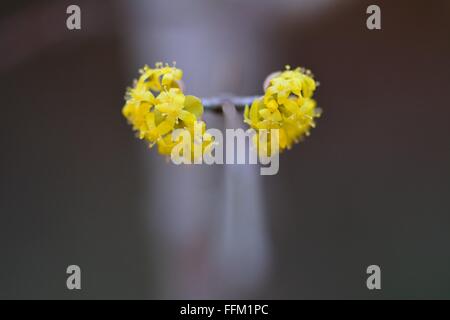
(187, 117)
(193, 105)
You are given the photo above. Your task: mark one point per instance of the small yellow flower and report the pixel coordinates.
(287, 105)
(156, 106)
(162, 76)
(200, 143)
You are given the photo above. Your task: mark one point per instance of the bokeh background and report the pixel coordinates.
(370, 186)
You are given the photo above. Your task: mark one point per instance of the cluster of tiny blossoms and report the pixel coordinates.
(288, 106)
(156, 106)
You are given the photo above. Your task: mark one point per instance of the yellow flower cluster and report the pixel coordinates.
(156, 106)
(287, 105)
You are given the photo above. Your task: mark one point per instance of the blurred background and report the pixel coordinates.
(370, 186)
